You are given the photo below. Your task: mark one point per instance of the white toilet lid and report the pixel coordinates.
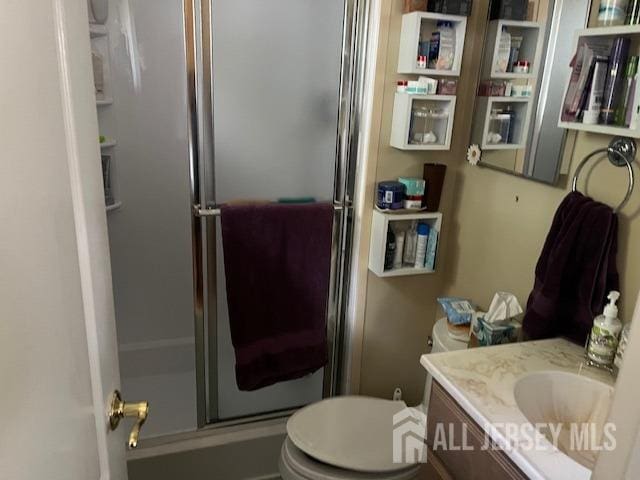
(296, 462)
(354, 433)
(442, 341)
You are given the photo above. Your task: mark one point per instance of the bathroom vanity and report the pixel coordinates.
(484, 402)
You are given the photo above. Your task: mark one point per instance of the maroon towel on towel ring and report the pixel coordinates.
(575, 271)
(277, 260)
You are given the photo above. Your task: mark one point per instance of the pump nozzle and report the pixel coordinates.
(611, 310)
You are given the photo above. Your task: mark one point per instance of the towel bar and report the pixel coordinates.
(215, 212)
(621, 152)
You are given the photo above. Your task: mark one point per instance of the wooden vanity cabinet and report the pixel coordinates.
(445, 464)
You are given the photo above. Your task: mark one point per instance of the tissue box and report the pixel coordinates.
(491, 334)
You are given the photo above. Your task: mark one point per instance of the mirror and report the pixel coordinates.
(524, 71)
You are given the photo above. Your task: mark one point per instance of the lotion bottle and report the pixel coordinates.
(421, 245)
(603, 340)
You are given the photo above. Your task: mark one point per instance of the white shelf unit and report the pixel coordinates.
(401, 124)
(108, 143)
(114, 206)
(522, 108)
(379, 228)
(608, 34)
(530, 50)
(99, 36)
(412, 25)
(96, 30)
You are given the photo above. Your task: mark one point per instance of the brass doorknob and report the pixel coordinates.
(120, 409)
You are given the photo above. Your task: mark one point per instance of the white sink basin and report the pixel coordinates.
(563, 399)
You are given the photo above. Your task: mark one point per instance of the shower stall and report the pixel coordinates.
(208, 102)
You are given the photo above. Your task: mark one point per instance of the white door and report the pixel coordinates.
(58, 358)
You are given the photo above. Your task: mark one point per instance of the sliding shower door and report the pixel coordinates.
(271, 127)
(276, 86)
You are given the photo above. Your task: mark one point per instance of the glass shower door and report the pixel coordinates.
(276, 95)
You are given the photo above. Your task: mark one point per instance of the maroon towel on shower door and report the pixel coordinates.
(277, 261)
(575, 271)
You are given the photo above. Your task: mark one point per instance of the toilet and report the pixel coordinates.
(350, 437)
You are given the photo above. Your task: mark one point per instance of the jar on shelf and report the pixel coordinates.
(612, 12)
(521, 66)
(499, 127)
(426, 125)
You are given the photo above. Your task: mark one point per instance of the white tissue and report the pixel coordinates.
(504, 306)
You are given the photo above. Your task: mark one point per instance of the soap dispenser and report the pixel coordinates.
(603, 340)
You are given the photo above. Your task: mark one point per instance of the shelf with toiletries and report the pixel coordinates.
(431, 44)
(501, 123)
(106, 143)
(412, 235)
(110, 193)
(114, 206)
(517, 49)
(100, 60)
(599, 98)
(103, 102)
(422, 122)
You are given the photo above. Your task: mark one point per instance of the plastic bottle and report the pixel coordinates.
(633, 13)
(615, 79)
(444, 47)
(397, 259)
(626, 97)
(421, 245)
(612, 12)
(410, 239)
(390, 252)
(591, 114)
(504, 52)
(603, 340)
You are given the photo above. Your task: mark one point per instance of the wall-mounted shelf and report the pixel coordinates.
(608, 34)
(404, 134)
(530, 49)
(104, 102)
(416, 22)
(96, 30)
(113, 206)
(379, 228)
(108, 143)
(521, 106)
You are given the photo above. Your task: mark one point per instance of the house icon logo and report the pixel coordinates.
(409, 434)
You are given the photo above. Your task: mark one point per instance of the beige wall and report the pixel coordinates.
(399, 312)
(493, 226)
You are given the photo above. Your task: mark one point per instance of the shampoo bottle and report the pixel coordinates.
(603, 340)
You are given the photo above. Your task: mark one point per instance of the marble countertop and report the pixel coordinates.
(481, 380)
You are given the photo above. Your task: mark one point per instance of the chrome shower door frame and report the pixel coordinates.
(198, 41)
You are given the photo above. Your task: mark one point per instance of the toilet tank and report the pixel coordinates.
(441, 342)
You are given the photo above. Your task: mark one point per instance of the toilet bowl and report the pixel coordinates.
(351, 437)
(294, 464)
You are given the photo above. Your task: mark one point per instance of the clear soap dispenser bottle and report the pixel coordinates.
(603, 340)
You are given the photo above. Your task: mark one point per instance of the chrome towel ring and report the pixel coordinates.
(621, 152)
